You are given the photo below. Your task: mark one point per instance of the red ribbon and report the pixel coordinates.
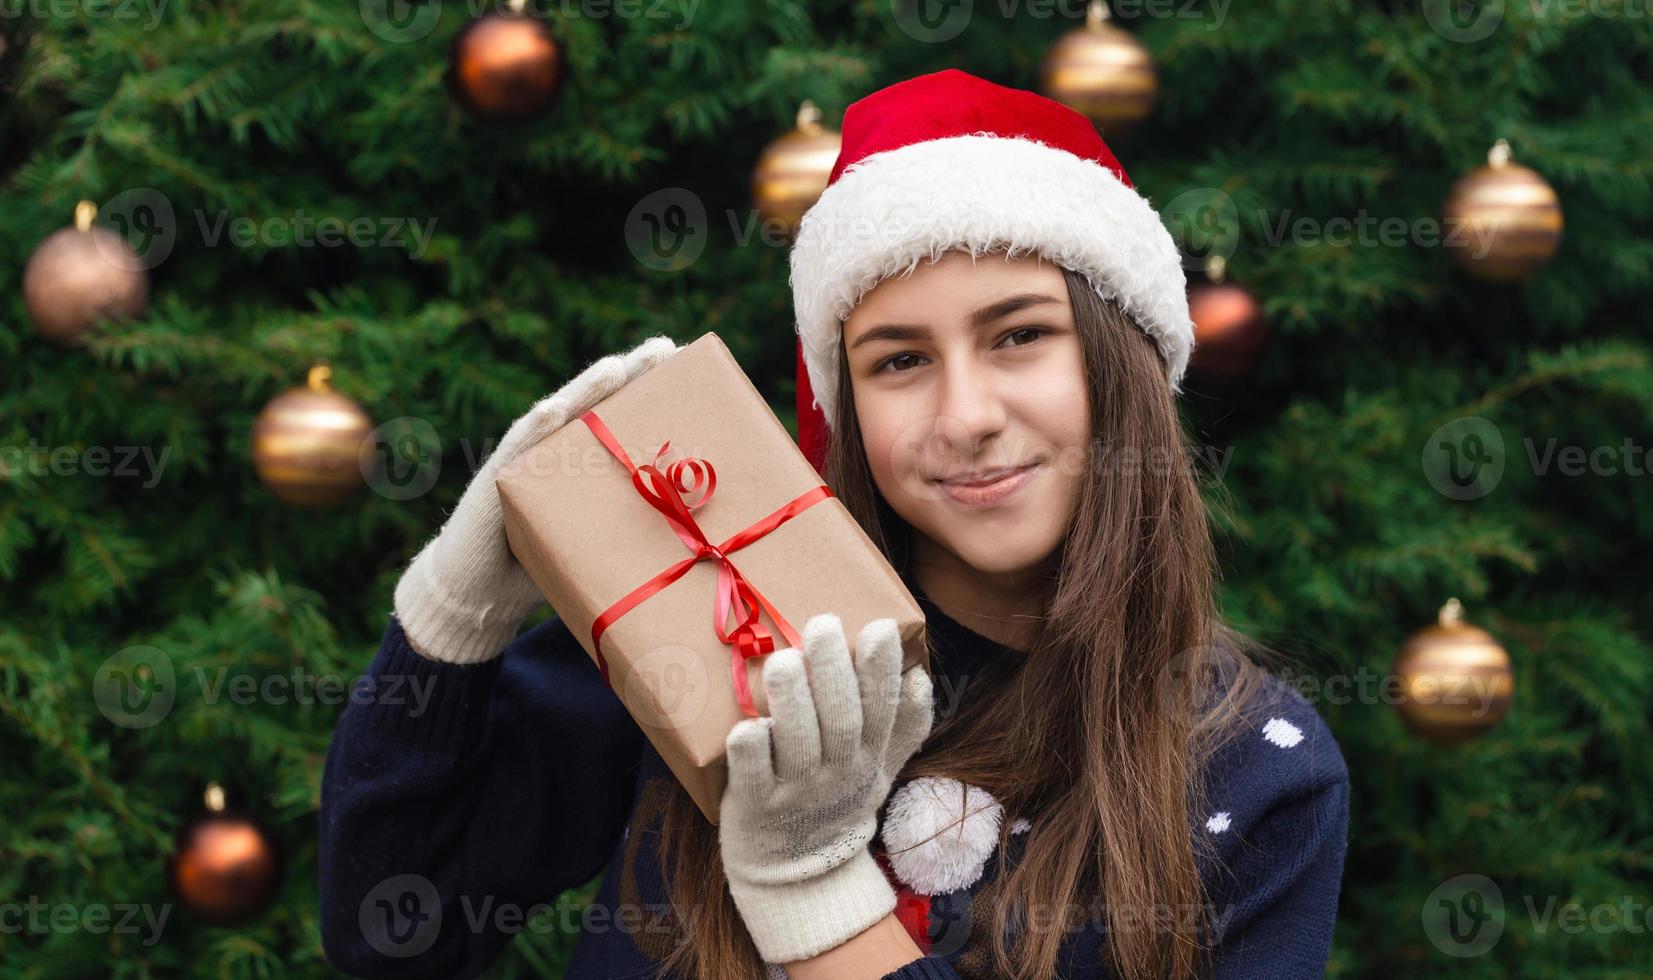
(664, 492)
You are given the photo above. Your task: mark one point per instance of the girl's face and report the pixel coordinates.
(962, 370)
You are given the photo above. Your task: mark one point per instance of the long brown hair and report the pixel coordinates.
(1100, 734)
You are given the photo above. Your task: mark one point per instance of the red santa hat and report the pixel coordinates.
(950, 161)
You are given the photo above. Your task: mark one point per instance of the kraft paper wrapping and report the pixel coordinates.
(587, 537)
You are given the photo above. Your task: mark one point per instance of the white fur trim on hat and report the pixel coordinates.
(982, 192)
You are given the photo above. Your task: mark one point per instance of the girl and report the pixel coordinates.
(1093, 779)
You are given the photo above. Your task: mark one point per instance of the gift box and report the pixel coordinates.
(682, 536)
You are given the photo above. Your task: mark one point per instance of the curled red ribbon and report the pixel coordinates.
(664, 491)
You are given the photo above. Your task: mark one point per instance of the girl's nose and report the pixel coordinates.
(970, 409)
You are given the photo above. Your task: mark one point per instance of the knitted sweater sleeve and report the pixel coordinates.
(1284, 831)
(1282, 928)
(454, 798)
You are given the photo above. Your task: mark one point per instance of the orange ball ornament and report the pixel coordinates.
(794, 169)
(506, 65)
(1102, 72)
(1455, 679)
(311, 445)
(225, 867)
(1502, 222)
(1229, 331)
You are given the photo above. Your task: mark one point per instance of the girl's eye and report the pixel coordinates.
(1037, 332)
(886, 366)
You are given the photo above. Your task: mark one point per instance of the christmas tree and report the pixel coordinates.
(301, 186)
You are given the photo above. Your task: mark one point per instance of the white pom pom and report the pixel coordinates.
(938, 834)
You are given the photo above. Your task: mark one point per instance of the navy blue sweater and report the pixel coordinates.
(457, 799)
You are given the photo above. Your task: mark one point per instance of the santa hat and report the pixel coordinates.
(951, 161)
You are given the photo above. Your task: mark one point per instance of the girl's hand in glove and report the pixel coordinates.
(464, 595)
(806, 783)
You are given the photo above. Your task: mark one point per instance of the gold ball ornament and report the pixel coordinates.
(1101, 71)
(1229, 331)
(81, 276)
(310, 444)
(1455, 680)
(793, 170)
(506, 65)
(225, 867)
(1502, 222)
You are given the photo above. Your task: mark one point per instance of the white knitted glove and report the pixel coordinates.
(794, 826)
(464, 595)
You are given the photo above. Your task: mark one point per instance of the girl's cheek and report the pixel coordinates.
(887, 457)
(1066, 402)
(896, 454)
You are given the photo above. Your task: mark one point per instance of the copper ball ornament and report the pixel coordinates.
(1455, 680)
(1101, 71)
(225, 867)
(80, 277)
(506, 66)
(793, 171)
(311, 445)
(1229, 331)
(1502, 222)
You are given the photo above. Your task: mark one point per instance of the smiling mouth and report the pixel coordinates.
(992, 477)
(993, 493)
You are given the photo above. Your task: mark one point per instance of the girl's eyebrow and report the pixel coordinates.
(987, 314)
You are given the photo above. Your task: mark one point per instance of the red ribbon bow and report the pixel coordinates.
(664, 492)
